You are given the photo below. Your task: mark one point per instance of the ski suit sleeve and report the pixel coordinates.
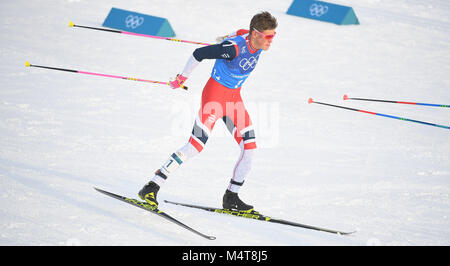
(242, 32)
(226, 50)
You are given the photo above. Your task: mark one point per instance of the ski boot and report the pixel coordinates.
(232, 201)
(149, 193)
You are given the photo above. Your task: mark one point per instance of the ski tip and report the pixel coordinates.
(27, 64)
(345, 97)
(310, 100)
(99, 190)
(346, 233)
(71, 24)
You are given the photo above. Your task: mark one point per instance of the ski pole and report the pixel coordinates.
(310, 100)
(71, 24)
(389, 101)
(101, 75)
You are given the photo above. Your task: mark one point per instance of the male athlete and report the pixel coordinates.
(236, 58)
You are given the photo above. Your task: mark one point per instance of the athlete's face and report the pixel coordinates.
(263, 39)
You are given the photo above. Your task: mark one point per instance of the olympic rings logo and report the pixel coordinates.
(317, 10)
(133, 21)
(245, 63)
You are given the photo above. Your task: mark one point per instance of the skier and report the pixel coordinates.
(236, 58)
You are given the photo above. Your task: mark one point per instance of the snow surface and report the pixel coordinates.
(64, 133)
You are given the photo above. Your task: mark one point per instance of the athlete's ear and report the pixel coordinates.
(251, 32)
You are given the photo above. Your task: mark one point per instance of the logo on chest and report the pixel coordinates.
(247, 63)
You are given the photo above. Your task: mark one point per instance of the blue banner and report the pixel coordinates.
(323, 11)
(138, 23)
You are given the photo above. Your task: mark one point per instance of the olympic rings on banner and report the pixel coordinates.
(133, 21)
(317, 10)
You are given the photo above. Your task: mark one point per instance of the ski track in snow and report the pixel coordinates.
(64, 133)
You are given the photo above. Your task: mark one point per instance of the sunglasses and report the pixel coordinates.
(266, 36)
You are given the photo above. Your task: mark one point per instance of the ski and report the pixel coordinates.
(258, 216)
(147, 207)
